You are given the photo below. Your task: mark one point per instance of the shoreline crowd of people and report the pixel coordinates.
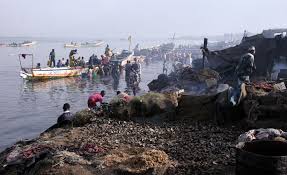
(106, 65)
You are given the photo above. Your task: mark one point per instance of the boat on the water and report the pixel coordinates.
(28, 43)
(123, 57)
(126, 56)
(92, 44)
(39, 73)
(72, 45)
(85, 44)
(50, 73)
(23, 44)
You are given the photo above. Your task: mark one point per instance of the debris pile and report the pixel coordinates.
(188, 79)
(160, 83)
(201, 75)
(266, 102)
(26, 154)
(136, 161)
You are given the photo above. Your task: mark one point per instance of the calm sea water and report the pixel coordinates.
(27, 109)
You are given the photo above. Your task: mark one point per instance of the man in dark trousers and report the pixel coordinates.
(52, 58)
(246, 66)
(243, 71)
(128, 68)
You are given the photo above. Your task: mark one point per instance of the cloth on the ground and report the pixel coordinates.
(260, 134)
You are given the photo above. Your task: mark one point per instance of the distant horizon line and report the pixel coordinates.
(120, 37)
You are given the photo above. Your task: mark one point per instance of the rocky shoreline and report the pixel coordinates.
(158, 133)
(192, 147)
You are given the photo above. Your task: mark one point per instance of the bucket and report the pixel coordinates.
(262, 157)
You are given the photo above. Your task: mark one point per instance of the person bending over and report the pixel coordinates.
(95, 98)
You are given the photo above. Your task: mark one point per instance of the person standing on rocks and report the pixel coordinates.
(246, 66)
(243, 71)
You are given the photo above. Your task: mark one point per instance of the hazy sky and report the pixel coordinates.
(140, 18)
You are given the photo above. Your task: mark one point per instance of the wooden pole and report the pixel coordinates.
(130, 42)
(204, 52)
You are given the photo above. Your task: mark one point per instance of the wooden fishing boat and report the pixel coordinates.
(48, 72)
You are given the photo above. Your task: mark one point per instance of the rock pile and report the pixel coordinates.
(186, 78)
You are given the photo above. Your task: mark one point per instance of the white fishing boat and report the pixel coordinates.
(92, 44)
(85, 44)
(28, 43)
(39, 73)
(72, 45)
(126, 56)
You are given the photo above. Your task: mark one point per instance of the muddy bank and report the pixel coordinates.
(190, 148)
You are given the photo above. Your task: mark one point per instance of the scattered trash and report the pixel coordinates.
(280, 86)
(71, 158)
(92, 148)
(26, 154)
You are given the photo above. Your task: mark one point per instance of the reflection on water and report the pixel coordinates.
(38, 104)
